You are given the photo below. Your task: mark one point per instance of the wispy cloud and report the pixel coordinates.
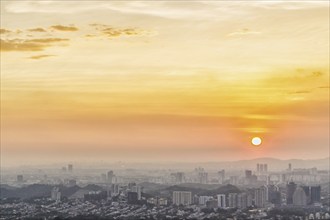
(38, 57)
(243, 32)
(64, 28)
(113, 32)
(37, 30)
(4, 31)
(28, 45)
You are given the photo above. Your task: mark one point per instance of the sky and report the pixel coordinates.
(164, 81)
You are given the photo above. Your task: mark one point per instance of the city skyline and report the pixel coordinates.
(165, 81)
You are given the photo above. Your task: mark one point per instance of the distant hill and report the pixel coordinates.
(42, 190)
(149, 187)
(35, 190)
(196, 189)
(221, 190)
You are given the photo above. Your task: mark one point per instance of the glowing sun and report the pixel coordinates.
(256, 141)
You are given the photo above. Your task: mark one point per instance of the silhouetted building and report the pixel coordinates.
(261, 168)
(315, 194)
(70, 168)
(138, 190)
(110, 177)
(203, 177)
(248, 174)
(274, 195)
(233, 180)
(290, 188)
(181, 197)
(20, 179)
(242, 200)
(178, 177)
(260, 197)
(232, 200)
(212, 204)
(221, 176)
(132, 198)
(55, 194)
(299, 197)
(204, 199)
(221, 200)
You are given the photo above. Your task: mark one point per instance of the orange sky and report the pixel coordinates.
(163, 81)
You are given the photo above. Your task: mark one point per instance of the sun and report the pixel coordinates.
(256, 141)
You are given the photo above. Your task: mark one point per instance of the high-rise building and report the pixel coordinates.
(203, 177)
(132, 198)
(232, 200)
(114, 189)
(248, 174)
(204, 199)
(211, 204)
(221, 200)
(315, 194)
(55, 194)
(221, 176)
(290, 188)
(261, 168)
(20, 179)
(290, 167)
(260, 197)
(242, 200)
(70, 167)
(110, 177)
(181, 197)
(299, 197)
(233, 180)
(265, 167)
(138, 190)
(178, 177)
(274, 195)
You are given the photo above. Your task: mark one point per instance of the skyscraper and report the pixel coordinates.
(299, 197)
(203, 177)
(221, 200)
(110, 177)
(181, 197)
(232, 200)
(260, 196)
(20, 179)
(290, 188)
(70, 167)
(242, 200)
(138, 190)
(221, 176)
(55, 194)
(315, 194)
(178, 177)
(248, 174)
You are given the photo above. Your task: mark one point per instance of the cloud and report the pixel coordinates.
(13, 45)
(64, 28)
(47, 40)
(37, 30)
(243, 32)
(323, 87)
(37, 57)
(112, 32)
(4, 31)
(28, 45)
(301, 92)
